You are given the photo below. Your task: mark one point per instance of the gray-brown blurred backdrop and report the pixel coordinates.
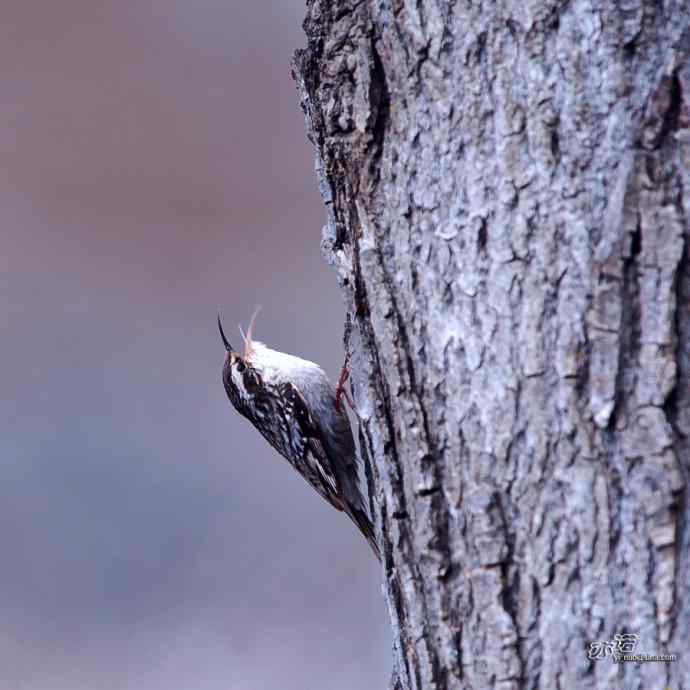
(155, 167)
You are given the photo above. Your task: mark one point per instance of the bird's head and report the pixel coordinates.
(240, 378)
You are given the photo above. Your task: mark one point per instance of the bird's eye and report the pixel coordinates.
(241, 366)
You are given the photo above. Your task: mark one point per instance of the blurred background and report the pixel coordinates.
(154, 168)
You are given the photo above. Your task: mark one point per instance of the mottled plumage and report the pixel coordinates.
(293, 404)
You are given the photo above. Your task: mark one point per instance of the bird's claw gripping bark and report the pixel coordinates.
(340, 390)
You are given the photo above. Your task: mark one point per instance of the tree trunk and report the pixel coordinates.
(508, 194)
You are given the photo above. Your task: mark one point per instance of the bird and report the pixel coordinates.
(295, 407)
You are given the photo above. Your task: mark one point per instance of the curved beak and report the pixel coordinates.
(228, 347)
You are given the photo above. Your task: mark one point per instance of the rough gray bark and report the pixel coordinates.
(508, 194)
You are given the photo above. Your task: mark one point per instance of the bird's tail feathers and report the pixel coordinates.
(365, 526)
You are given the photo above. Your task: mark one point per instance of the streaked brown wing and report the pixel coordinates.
(311, 459)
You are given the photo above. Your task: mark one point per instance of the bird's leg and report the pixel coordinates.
(341, 390)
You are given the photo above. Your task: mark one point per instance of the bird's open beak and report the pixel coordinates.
(228, 347)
